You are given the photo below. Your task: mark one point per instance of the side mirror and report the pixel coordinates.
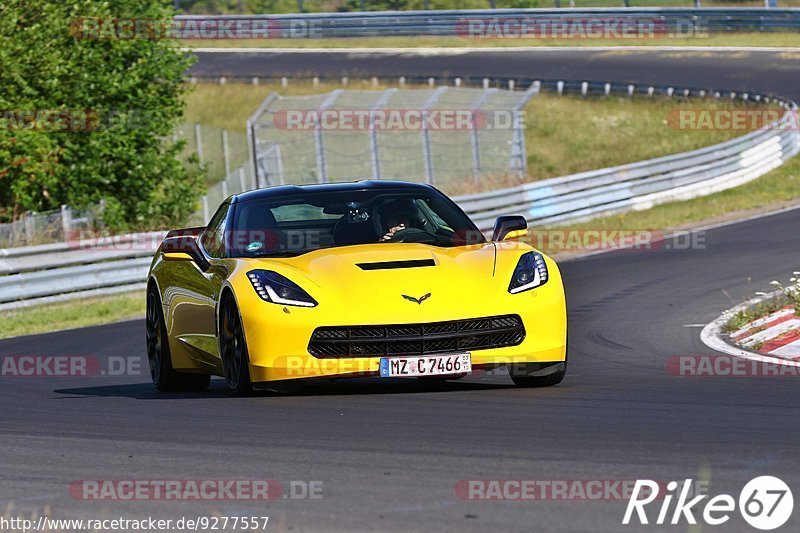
(509, 227)
(184, 249)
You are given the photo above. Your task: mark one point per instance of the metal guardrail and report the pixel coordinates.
(43, 283)
(641, 185)
(456, 22)
(50, 272)
(45, 273)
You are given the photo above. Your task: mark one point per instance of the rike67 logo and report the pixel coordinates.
(765, 503)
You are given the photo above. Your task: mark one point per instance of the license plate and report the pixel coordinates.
(427, 365)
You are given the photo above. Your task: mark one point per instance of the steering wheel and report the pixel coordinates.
(411, 235)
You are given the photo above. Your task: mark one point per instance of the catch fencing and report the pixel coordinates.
(433, 135)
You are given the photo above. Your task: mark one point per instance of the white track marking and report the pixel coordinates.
(791, 350)
(771, 333)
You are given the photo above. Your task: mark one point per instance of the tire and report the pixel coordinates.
(164, 377)
(540, 381)
(233, 349)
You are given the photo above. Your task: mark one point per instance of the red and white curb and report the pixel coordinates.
(778, 332)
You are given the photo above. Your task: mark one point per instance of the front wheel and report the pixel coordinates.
(164, 377)
(540, 381)
(235, 361)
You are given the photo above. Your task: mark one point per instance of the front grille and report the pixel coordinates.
(417, 339)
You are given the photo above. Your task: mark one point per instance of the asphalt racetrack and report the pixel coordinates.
(741, 70)
(390, 454)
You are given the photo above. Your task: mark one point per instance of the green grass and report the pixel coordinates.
(565, 135)
(766, 39)
(73, 314)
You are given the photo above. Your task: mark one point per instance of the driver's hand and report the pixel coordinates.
(392, 231)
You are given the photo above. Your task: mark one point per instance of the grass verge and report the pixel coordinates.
(72, 314)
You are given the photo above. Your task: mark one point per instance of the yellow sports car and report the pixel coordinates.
(373, 278)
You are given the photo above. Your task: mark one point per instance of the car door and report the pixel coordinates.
(193, 300)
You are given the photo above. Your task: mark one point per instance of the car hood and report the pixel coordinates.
(367, 273)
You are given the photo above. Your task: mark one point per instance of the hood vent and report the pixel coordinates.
(388, 265)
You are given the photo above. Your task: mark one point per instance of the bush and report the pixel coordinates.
(131, 93)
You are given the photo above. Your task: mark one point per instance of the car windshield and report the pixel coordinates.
(300, 223)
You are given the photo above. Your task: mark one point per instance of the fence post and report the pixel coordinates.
(242, 182)
(518, 161)
(252, 139)
(30, 226)
(279, 164)
(66, 221)
(426, 134)
(373, 134)
(474, 139)
(198, 142)
(226, 152)
(322, 165)
(319, 145)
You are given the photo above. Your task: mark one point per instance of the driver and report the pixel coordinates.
(396, 215)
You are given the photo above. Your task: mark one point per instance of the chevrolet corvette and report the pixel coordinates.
(373, 278)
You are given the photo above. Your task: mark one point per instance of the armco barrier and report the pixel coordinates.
(62, 271)
(685, 21)
(640, 185)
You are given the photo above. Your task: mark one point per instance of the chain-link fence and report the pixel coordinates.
(239, 180)
(434, 135)
(49, 226)
(219, 150)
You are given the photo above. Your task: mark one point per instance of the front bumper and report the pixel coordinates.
(277, 337)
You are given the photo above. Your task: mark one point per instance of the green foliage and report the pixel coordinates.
(785, 295)
(745, 316)
(132, 93)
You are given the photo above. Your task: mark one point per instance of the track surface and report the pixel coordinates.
(390, 454)
(772, 72)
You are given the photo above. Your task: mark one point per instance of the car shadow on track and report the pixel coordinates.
(368, 386)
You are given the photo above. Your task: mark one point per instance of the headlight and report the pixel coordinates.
(531, 272)
(277, 289)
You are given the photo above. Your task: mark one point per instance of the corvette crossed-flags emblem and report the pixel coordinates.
(417, 300)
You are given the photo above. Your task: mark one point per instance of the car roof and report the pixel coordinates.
(364, 185)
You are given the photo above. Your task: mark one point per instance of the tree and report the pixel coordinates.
(116, 103)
